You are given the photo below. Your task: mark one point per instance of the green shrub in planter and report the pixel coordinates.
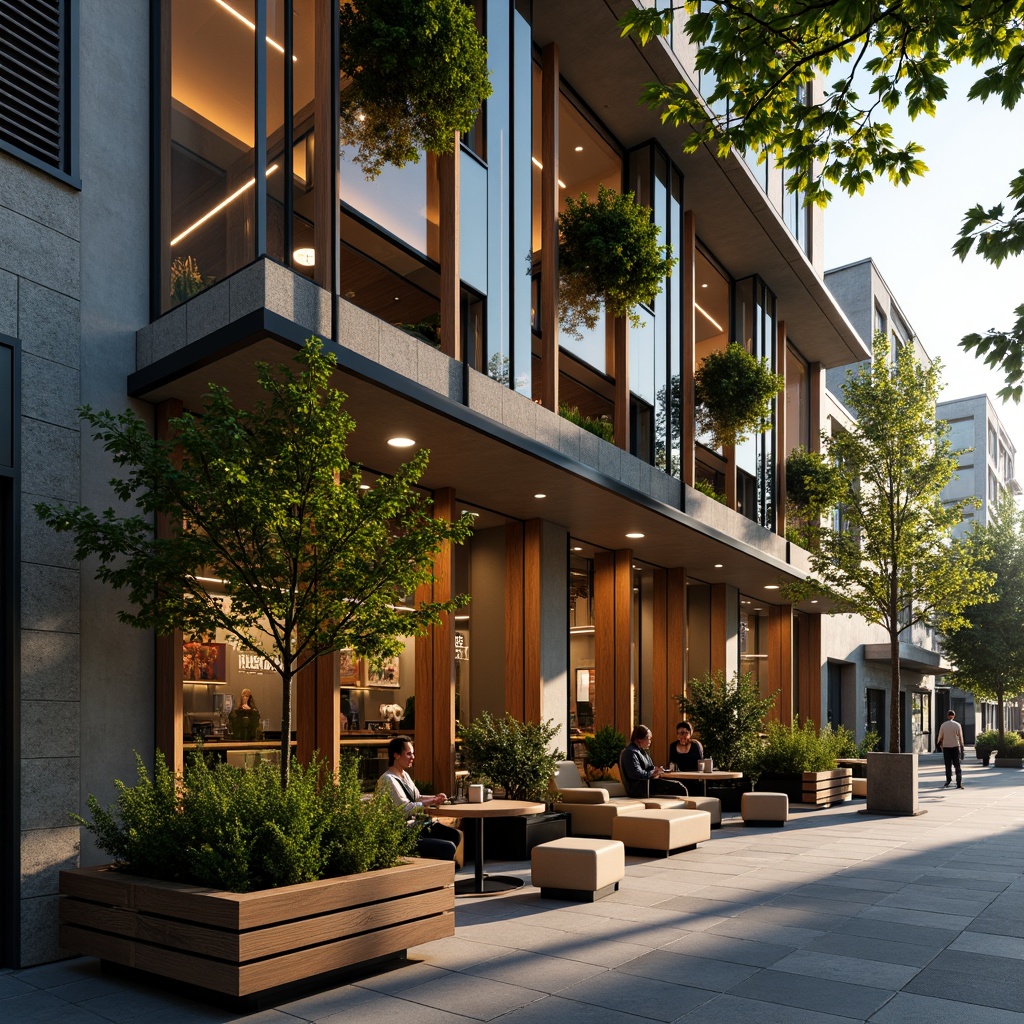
(870, 742)
(608, 253)
(603, 749)
(1011, 745)
(602, 428)
(708, 488)
(237, 829)
(985, 742)
(733, 393)
(512, 755)
(794, 749)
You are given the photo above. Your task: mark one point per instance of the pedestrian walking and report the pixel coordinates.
(951, 743)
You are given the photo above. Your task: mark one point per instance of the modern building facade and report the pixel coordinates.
(858, 658)
(171, 211)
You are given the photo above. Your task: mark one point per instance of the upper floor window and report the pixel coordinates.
(37, 83)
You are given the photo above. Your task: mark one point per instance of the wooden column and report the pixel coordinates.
(604, 639)
(661, 701)
(620, 329)
(168, 696)
(533, 675)
(719, 626)
(316, 713)
(677, 667)
(451, 280)
(687, 432)
(435, 668)
(781, 433)
(549, 228)
(515, 598)
(623, 640)
(780, 661)
(810, 671)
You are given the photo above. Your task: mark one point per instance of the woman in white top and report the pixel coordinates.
(436, 841)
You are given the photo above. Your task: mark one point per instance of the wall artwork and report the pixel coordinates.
(351, 670)
(204, 663)
(383, 676)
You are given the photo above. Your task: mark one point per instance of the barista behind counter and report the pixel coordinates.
(245, 721)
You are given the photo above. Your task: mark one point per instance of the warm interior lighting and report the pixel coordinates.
(245, 21)
(540, 495)
(305, 257)
(718, 565)
(771, 586)
(707, 316)
(220, 206)
(401, 442)
(581, 629)
(579, 149)
(635, 536)
(536, 163)
(577, 549)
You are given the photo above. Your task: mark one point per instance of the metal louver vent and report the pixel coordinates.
(32, 78)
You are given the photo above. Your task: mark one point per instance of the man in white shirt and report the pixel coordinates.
(951, 742)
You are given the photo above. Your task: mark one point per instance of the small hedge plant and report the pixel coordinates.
(985, 742)
(1011, 745)
(602, 428)
(794, 749)
(603, 749)
(512, 755)
(237, 829)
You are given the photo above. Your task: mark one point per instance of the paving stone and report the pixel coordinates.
(972, 978)
(833, 997)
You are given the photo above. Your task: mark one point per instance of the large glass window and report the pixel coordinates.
(753, 639)
(798, 411)
(582, 675)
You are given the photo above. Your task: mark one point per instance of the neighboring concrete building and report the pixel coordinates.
(857, 670)
(985, 472)
(601, 579)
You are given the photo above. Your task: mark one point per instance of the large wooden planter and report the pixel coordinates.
(822, 789)
(239, 944)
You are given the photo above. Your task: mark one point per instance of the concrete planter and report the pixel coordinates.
(1009, 762)
(820, 789)
(892, 784)
(242, 944)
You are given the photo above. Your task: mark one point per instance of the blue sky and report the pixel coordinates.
(972, 151)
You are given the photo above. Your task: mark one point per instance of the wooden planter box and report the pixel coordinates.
(822, 789)
(239, 944)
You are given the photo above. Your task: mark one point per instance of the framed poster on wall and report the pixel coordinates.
(383, 676)
(204, 663)
(350, 672)
(584, 677)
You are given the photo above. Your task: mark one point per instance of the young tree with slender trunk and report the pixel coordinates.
(894, 561)
(264, 504)
(988, 647)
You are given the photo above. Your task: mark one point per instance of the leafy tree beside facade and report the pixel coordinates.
(895, 562)
(762, 67)
(264, 503)
(988, 648)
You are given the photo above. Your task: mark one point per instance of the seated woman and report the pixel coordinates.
(641, 777)
(685, 752)
(436, 841)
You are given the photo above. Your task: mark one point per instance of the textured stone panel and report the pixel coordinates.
(485, 395)
(49, 323)
(398, 351)
(50, 728)
(166, 335)
(143, 346)
(44, 853)
(50, 460)
(610, 460)
(569, 438)
(46, 257)
(519, 413)
(50, 665)
(629, 470)
(39, 196)
(247, 290)
(49, 791)
(298, 299)
(49, 598)
(438, 372)
(8, 304)
(39, 930)
(41, 544)
(49, 391)
(591, 447)
(549, 430)
(359, 330)
(207, 312)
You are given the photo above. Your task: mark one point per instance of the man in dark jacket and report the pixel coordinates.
(640, 775)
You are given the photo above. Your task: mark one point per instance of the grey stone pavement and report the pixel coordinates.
(838, 917)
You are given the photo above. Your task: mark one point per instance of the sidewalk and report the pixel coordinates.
(838, 917)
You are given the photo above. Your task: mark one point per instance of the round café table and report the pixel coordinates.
(481, 884)
(704, 777)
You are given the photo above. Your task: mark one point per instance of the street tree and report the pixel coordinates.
(987, 649)
(893, 560)
(760, 67)
(264, 504)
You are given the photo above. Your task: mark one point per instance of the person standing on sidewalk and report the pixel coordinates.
(951, 743)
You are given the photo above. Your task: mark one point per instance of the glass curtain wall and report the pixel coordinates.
(713, 305)
(753, 638)
(754, 325)
(582, 676)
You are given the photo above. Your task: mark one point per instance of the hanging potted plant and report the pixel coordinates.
(733, 392)
(608, 253)
(813, 488)
(417, 74)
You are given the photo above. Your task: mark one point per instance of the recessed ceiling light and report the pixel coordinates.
(579, 149)
(771, 586)
(704, 285)
(634, 536)
(814, 600)
(577, 549)
(540, 495)
(305, 257)
(718, 565)
(401, 442)
(364, 487)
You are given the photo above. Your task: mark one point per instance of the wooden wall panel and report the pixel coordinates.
(623, 620)
(719, 626)
(661, 702)
(515, 596)
(676, 667)
(810, 669)
(620, 417)
(604, 639)
(533, 675)
(442, 716)
(780, 661)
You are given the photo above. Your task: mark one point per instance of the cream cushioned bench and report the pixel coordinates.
(711, 804)
(860, 787)
(764, 808)
(579, 869)
(662, 831)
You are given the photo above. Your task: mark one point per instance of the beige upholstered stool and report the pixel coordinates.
(595, 819)
(764, 808)
(860, 787)
(577, 869)
(663, 832)
(710, 804)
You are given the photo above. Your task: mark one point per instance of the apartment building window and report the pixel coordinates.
(798, 404)
(39, 84)
(881, 321)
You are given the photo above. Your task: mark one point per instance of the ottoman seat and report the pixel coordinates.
(662, 831)
(595, 819)
(764, 808)
(860, 787)
(576, 868)
(710, 804)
